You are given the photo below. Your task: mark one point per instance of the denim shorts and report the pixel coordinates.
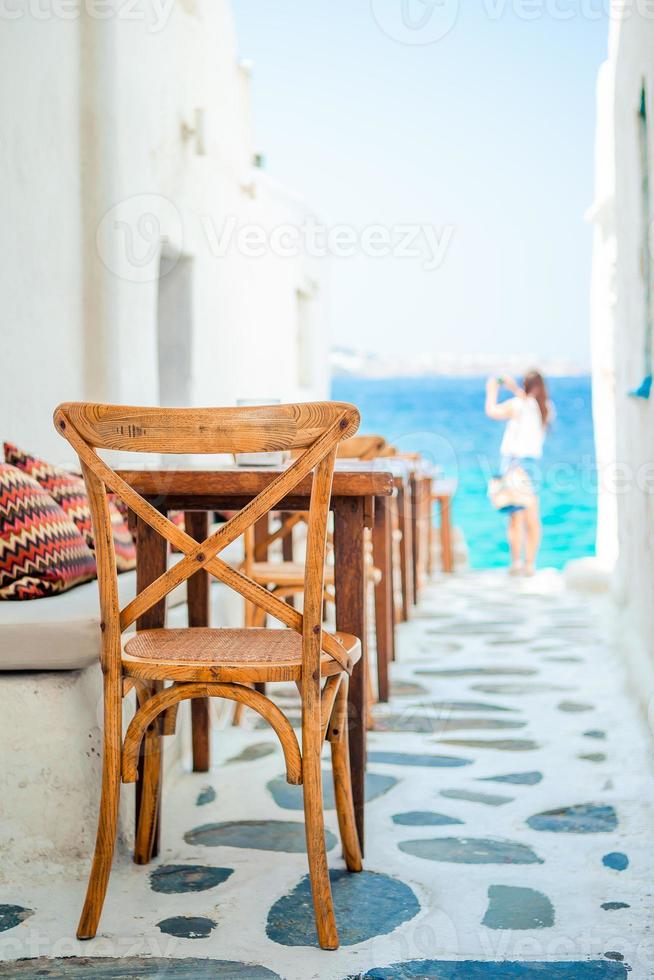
(529, 464)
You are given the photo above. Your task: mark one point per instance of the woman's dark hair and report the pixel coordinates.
(534, 385)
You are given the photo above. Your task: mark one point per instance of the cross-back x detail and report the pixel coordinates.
(316, 428)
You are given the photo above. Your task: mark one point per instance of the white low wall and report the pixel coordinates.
(50, 768)
(51, 735)
(51, 756)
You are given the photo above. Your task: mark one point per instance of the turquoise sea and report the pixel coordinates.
(444, 419)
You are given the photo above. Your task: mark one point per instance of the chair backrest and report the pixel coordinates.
(255, 548)
(315, 428)
(362, 447)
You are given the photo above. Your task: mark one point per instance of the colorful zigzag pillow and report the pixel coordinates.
(41, 550)
(69, 491)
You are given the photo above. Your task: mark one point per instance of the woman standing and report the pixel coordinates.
(527, 415)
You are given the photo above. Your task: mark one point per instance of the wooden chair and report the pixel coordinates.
(284, 578)
(202, 662)
(362, 447)
(442, 493)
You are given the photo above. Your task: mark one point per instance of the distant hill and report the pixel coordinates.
(365, 364)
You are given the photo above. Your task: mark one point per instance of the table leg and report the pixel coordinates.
(406, 549)
(288, 551)
(349, 573)
(430, 539)
(198, 601)
(396, 564)
(151, 562)
(415, 536)
(261, 532)
(424, 512)
(381, 549)
(447, 558)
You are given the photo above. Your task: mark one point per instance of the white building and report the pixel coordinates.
(622, 329)
(146, 259)
(137, 265)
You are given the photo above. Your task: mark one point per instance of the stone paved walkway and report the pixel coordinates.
(510, 816)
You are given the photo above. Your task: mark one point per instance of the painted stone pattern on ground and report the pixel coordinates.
(472, 837)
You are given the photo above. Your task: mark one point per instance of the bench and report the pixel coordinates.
(51, 723)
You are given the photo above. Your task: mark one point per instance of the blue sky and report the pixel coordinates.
(484, 134)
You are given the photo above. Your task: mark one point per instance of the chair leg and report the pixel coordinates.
(107, 821)
(315, 831)
(150, 796)
(447, 560)
(340, 749)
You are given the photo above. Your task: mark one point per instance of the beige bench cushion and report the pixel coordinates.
(61, 632)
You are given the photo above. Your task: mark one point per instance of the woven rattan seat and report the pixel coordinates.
(287, 573)
(222, 654)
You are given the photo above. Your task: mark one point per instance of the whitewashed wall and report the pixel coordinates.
(624, 424)
(100, 167)
(40, 270)
(104, 183)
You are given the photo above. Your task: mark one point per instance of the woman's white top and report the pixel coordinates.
(525, 433)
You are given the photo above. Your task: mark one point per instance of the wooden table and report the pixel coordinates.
(200, 491)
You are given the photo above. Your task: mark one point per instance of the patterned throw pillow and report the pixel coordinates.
(41, 551)
(69, 491)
